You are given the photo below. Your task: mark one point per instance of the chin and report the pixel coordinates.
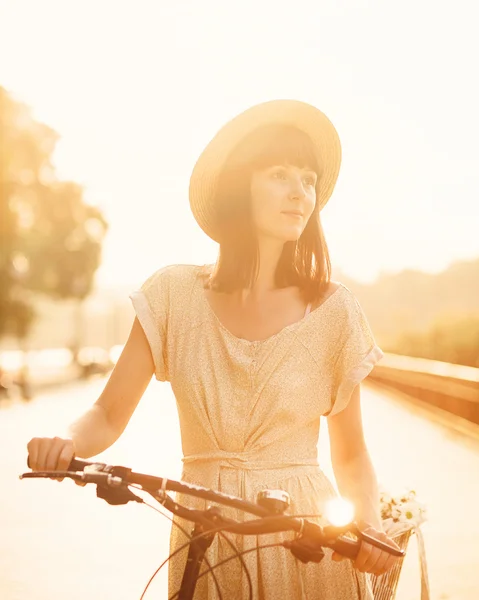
(292, 238)
(293, 234)
(283, 239)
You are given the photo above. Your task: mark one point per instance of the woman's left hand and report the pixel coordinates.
(371, 559)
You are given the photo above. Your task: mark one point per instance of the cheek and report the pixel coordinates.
(311, 199)
(266, 198)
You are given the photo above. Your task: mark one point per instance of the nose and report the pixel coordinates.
(297, 189)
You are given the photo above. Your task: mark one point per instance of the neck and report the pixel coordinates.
(269, 255)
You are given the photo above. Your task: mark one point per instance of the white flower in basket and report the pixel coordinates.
(401, 516)
(401, 513)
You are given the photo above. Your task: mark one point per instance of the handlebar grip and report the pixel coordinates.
(350, 548)
(76, 464)
(346, 547)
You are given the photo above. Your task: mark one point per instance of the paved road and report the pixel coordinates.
(57, 541)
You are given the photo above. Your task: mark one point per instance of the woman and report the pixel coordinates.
(257, 348)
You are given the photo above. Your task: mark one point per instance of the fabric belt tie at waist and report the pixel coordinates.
(247, 461)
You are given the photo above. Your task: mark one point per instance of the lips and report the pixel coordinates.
(296, 213)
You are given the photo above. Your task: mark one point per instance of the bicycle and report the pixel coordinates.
(114, 483)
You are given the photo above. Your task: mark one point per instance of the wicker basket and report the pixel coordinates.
(384, 586)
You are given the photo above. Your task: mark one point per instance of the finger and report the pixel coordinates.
(387, 560)
(43, 450)
(66, 455)
(375, 554)
(32, 448)
(391, 562)
(378, 568)
(56, 446)
(367, 557)
(370, 564)
(365, 550)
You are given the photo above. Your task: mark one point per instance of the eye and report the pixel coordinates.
(310, 180)
(279, 174)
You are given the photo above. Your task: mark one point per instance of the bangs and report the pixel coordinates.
(275, 145)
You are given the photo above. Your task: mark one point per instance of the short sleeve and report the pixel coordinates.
(356, 358)
(150, 303)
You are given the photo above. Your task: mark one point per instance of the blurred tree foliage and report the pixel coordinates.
(428, 315)
(50, 239)
(452, 338)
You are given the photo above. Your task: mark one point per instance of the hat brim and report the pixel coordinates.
(308, 118)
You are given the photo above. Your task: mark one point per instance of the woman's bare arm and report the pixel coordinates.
(352, 466)
(105, 421)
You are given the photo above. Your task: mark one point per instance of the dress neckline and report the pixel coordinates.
(309, 314)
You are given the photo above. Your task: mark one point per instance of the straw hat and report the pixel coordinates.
(308, 118)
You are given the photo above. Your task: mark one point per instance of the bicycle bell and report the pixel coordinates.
(275, 501)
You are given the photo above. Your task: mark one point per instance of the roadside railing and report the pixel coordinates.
(453, 388)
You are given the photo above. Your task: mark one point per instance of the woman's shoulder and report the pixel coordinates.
(332, 290)
(347, 294)
(349, 312)
(333, 287)
(339, 301)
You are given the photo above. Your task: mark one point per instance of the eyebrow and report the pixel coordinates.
(309, 171)
(285, 166)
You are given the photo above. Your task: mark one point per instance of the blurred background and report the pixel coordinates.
(104, 109)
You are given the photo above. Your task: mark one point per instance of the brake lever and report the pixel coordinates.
(93, 475)
(77, 476)
(110, 488)
(381, 545)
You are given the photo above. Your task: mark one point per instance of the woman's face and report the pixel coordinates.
(282, 200)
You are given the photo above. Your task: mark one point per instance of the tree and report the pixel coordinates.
(50, 239)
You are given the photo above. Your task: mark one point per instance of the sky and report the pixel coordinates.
(137, 89)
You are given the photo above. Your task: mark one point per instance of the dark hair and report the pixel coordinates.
(304, 263)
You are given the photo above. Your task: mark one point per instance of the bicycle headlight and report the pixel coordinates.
(276, 501)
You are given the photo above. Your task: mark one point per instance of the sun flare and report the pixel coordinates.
(339, 511)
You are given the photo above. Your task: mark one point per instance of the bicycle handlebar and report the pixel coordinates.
(312, 536)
